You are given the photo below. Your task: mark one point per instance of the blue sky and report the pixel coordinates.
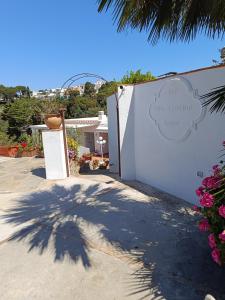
(44, 42)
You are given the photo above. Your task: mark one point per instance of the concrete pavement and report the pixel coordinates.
(93, 237)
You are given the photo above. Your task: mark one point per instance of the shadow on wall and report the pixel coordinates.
(128, 167)
(159, 234)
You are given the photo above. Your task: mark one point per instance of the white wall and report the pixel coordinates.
(166, 135)
(127, 123)
(112, 135)
(54, 152)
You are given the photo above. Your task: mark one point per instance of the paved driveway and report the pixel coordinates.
(93, 237)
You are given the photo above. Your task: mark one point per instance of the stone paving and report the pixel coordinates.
(94, 237)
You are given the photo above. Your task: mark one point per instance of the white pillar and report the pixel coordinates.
(55, 162)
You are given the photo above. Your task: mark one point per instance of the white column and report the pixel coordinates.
(55, 162)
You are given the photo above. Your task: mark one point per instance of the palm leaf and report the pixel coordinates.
(169, 19)
(215, 98)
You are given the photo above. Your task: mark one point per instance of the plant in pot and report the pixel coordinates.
(104, 164)
(7, 145)
(94, 164)
(26, 146)
(87, 156)
(50, 113)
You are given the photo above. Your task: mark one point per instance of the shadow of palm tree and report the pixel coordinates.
(159, 235)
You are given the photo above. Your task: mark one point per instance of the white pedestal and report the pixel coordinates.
(55, 162)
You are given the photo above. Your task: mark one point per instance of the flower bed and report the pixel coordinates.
(27, 153)
(73, 155)
(212, 200)
(9, 151)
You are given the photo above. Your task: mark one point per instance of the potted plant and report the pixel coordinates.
(94, 164)
(53, 120)
(104, 164)
(7, 146)
(26, 146)
(87, 156)
(48, 111)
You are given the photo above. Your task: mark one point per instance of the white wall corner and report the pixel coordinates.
(127, 139)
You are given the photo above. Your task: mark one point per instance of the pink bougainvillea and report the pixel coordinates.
(207, 200)
(212, 200)
(203, 225)
(212, 241)
(212, 182)
(222, 236)
(196, 208)
(222, 211)
(199, 191)
(216, 256)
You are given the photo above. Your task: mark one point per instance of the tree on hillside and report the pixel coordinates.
(173, 20)
(18, 114)
(9, 94)
(105, 91)
(135, 77)
(24, 112)
(72, 93)
(89, 89)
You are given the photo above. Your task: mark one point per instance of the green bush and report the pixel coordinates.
(5, 140)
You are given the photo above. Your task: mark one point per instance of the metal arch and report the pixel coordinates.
(76, 77)
(74, 80)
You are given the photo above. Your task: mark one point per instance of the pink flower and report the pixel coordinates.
(217, 172)
(204, 225)
(216, 256)
(224, 143)
(204, 181)
(211, 182)
(212, 241)
(222, 211)
(196, 208)
(199, 191)
(222, 236)
(207, 200)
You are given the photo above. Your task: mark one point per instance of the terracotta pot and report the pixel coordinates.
(9, 151)
(53, 121)
(25, 153)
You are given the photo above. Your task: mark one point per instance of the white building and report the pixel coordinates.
(168, 139)
(51, 93)
(89, 130)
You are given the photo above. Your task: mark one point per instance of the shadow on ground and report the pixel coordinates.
(40, 172)
(160, 234)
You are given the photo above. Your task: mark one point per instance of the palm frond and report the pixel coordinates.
(169, 19)
(215, 98)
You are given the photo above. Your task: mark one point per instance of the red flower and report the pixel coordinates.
(23, 144)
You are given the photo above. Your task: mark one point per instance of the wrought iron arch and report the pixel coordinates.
(68, 83)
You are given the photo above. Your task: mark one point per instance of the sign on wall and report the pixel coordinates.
(177, 109)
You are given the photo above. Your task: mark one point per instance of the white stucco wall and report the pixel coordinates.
(112, 135)
(54, 152)
(127, 124)
(166, 135)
